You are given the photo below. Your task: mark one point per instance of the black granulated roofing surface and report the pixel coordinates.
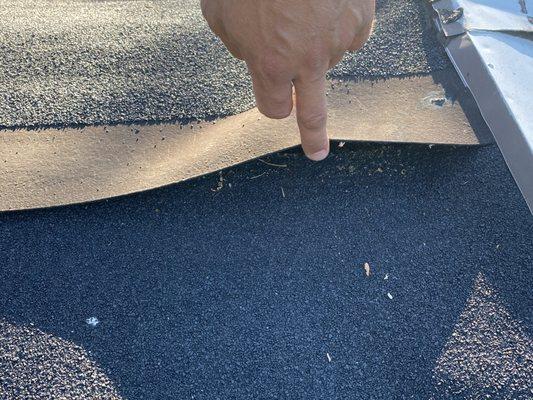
(256, 290)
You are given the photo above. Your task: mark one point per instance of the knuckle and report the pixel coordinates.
(279, 99)
(275, 112)
(313, 121)
(316, 60)
(271, 66)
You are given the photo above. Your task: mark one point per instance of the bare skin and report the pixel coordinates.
(288, 43)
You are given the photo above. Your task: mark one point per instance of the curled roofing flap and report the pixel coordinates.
(459, 16)
(57, 166)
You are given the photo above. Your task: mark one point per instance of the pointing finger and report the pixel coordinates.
(311, 112)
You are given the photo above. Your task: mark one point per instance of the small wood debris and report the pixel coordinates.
(341, 144)
(283, 192)
(380, 170)
(367, 269)
(389, 296)
(329, 357)
(258, 176)
(272, 164)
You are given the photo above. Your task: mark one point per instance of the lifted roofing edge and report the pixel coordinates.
(54, 167)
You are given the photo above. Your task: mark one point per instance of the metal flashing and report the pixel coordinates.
(448, 18)
(459, 16)
(494, 58)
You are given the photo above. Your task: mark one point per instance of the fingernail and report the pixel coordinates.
(319, 155)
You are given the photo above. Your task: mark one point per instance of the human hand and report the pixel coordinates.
(292, 42)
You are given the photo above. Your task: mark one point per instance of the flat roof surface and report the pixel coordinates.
(250, 283)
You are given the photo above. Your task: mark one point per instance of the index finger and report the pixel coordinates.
(311, 113)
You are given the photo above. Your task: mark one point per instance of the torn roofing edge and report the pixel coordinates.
(497, 66)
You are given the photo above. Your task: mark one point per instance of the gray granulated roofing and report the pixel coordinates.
(70, 62)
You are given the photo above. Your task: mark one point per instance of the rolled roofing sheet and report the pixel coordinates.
(186, 280)
(64, 166)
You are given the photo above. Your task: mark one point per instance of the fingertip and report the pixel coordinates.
(315, 154)
(319, 155)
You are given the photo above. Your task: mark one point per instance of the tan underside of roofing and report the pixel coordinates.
(53, 167)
